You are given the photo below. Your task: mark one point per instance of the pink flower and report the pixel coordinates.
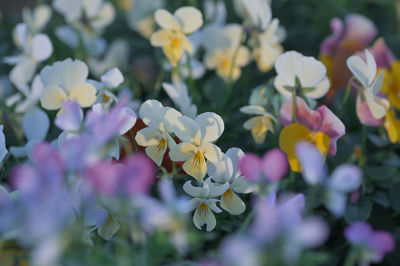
(382, 54)
(356, 28)
(321, 120)
(273, 166)
(365, 116)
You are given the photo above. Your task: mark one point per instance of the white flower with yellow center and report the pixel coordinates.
(303, 75)
(66, 80)
(260, 124)
(268, 47)
(172, 38)
(228, 171)
(196, 146)
(365, 72)
(204, 202)
(156, 136)
(230, 56)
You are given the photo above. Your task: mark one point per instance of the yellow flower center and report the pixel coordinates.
(175, 42)
(105, 97)
(203, 209)
(198, 158)
(228, 193)
(226, 63)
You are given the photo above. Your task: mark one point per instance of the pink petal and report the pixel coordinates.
(360, 28)
(383, 55)
(250, 166)
(331, 126)
(103, 176)
(382, 242)
(365, 116)
(275, 165)
(304, 115)
(330, 44)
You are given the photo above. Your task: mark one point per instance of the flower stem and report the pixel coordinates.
(346, 96)
(247, 221)
(362, 159)
(351, 259)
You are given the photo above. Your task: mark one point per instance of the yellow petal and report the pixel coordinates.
(392, 126)
(322, 142)
(173, 51)
(52, 97)
(156, 152)
(232, 203)
(84, 94)
(160, 38)
(196, 166)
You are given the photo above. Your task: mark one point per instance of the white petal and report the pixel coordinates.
(310, 71)
(71, 9)
(216, 189)
(220, 171)
(253, 110)
(359, 69)
(346, 178)
(36, 124)
(128, 116)
(211, 152)
(190, 18)
(148, 136)
(279, 84)
(204, 216)
(211, 126)
(22, 73)
(285, 66)
(150, 112)
(194, 191)
(166, 20)
(41, 15)
(41, 47)
(68, 35)
(235, 154)
(112, 78)
(335, 202)
(187, 130)
(104, 16)
(242, 185)
(182, 151)
(371, 66)
(320, 90)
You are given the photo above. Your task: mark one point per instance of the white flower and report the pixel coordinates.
(34, 49)
(156, 137)
(66, 80)
(141, 16)
(260, 124)
(172, 37)
(269, 47)
(109, 82)
(35, 125)
(180, 96)
(365, 72)
(3, 149)
(37, 19)
(228, 171)
(98, 12)
(196, 146)
(257, 11)
(298, 72)
(31, 99)
(204, 202)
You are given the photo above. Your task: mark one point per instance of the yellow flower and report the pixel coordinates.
(391, 84)
(172, 38)
(292, 134)
(392, 126)
(66, 80)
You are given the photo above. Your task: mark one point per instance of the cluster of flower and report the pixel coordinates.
(85, 165)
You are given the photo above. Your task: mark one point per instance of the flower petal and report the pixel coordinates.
(211, 126)
(36, 125)
(274, 165)
(312, 163)
(190, 18)
(203, 215)
(304, 115)
(84, 94)
(161, 38)
(148, 136)
(41, 47)
(182, 151)
(250, 167)
(320, 90)
(156, 153)
(72, 117)
(112, 78)
(232, 203)
(196, 166)
(166, 20)
(52, 97)
(346, 178)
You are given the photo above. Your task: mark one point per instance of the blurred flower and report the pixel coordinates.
(156, 136)
(172, 37)
(178, 92)
(257, 12)
(110, 80)
(299, 74)
(204, 203)
(345, 178)
(32, 98)
(215, 12)
(320, 127)
(260, 124)
(197, 136)
(3, 149)
(239, 250)
(365, 72)
(140, 16)
(273, 166)
(228, 171)
(268, 46)
(35, 126)
(229, 55)
(349, 36)
(66, 80)
(374, 244)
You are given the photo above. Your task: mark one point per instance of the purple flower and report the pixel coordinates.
(71, 118)
(273, 166)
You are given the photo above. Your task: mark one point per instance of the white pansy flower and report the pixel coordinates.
(365, 72)
(34, 49)
(66, 80)
(260, 124)
(268, 46)
(197, 136)
(258, 12)
(300, 74)
(228, 171)
(35, 126)
(204, 202)
(140, 17)
(172, 37)
(215, 12)
(98, 13)
(37, 19)
(156, 136)
(32, 98)
(109, 82)
(178, 92)
(227, 56)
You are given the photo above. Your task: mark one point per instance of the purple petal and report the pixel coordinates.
(331, 126)
(312, 163)
(274, 165)
(331, 43)
(250, 166)
(103, 176)
(381, 242)
(304, 115)
(312, 233)
(360, 29)
(382, 54)
(71, 118)
(358, 232)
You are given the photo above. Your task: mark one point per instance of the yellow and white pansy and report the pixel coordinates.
(229, 56)
(197, 138)
(178, 92)
(110, 81)
(301, 75)
(204, 202)
(260, 124)
(257, 12)
(66, 80)
(156, 136)
(228, 171)
(268, 46)
(365, 72)
(172, 37)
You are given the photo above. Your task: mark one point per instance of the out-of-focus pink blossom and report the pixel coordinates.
(365, 116)
(382, 54)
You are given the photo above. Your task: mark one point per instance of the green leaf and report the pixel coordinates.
(394, 194)
(381, 198)
(108, 229)
(358, 212)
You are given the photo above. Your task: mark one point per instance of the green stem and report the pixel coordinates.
(351, 259)
(292, 179)
(346, 96)
(247, 221)
(362, 159)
